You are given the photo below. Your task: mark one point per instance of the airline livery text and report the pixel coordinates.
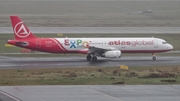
(76, 43)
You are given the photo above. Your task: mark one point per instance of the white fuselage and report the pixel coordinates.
(122, 44)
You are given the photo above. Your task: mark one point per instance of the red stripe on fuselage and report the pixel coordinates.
(59, 44)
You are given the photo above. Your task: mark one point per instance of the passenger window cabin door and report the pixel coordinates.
(38, 43)
(155, 43)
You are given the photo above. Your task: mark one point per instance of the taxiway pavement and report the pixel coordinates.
(7, 97)
(88, 92)
(94, 93)
(74, 61)
(95, 30)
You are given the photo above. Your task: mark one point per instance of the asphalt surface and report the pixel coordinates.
(95, 30)
(95, 93)
(60, 62)
(7, 97)
(88, 92)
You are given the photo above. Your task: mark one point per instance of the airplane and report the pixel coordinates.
(93, 47)
(148, 11)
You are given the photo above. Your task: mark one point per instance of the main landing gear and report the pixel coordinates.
(90, 58)
(154, 56)
(94, 58)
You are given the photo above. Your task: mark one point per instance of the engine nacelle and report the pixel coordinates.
(112, 54)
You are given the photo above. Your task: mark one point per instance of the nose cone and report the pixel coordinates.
(170, 47)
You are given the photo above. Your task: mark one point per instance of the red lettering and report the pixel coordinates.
(117, 42)
(111, 43)
(139, 42)
(128, 43)
(66, 42)
(150, 42)
(132, 43)
(145, 43)
(123, 43)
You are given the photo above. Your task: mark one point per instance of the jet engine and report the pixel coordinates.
(112, 54)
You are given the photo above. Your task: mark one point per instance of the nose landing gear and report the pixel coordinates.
(154, 56)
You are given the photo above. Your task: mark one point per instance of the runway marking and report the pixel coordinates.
(9, 96)
(105, 95)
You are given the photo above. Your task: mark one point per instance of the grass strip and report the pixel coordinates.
(91, 76)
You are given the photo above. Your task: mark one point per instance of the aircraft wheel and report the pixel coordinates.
(89, 57)
(94, 58)
(154, 58)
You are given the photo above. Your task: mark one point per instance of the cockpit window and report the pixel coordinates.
(164, 42)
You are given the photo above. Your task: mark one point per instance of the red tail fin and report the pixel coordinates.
(20, 29)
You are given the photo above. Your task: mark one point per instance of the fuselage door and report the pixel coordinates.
(38, 43)
(155, 43)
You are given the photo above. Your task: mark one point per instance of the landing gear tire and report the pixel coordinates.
(154, 58)
(94, 58)
(88, 58)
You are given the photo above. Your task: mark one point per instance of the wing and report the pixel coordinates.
(93, 49)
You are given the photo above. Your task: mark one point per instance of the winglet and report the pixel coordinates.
(20, 30)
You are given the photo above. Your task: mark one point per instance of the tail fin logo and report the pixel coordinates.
(20, 30)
